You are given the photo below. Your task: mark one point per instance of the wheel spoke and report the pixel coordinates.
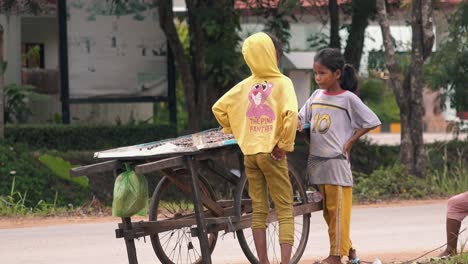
(176, 246)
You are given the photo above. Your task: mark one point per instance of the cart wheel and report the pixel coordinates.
(177, 245)
(301, 225)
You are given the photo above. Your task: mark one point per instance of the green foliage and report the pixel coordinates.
(221, 25)
(448, 67)
(74, 137)
(183, 32)
(447, 166)
(32, 181)
(12, 7)
(389, 182)
(118, 8)
(278, 15)
(16, 99)
(376, 59)
(182, 114)
(62, 168)
(318, 41)
(367, 157)
(378, 174)
(33, 55)
(458, 259)
(13, 203)
(380, 98)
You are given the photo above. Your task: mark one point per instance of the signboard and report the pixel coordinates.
(115, 51)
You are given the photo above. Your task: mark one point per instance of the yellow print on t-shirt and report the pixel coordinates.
(321, 123)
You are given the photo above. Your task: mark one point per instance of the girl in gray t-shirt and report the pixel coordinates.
(338, 118)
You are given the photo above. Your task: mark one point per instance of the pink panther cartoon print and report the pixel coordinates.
(257, 97)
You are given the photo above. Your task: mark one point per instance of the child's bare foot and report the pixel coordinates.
(352, 257)
(447, 253)
(332, 260)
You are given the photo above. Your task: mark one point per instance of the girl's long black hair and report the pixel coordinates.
(334, 60)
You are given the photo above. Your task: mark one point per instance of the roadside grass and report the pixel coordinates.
(452, 178)
(446, 175)
(462, 258)
(14, 205)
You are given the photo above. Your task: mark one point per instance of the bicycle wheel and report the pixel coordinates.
(169, 202)
(301, 225)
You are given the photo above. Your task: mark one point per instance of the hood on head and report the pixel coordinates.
(260, 55)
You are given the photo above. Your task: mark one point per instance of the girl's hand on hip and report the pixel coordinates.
(347, 147)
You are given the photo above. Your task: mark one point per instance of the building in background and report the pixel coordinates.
(26, 30)
(117, 59)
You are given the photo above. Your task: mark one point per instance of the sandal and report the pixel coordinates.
(352, 257)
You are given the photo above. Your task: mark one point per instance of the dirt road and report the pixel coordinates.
(392, 232)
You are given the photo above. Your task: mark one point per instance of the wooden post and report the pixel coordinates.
(2, 106)
(197, 204)
(129, 242)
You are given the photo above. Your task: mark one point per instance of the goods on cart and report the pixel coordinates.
(189, 143)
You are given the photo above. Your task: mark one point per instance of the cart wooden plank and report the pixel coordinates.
(95, 168)
(175, 162)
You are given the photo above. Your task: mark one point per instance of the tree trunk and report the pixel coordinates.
(2, 106)
(409, 92)
(198, 55)
(166, 21)
(334, 24)
(362, 11)
(422, 41)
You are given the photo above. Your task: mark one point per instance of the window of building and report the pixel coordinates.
(32, 55)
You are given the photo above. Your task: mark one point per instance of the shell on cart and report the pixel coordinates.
(212, 138)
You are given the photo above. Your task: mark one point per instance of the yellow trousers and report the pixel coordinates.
(265, 175)
(337, 202)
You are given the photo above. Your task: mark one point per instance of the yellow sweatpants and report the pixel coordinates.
(264, 172)
(337, 202)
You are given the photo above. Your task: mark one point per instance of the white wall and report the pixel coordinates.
(45, 30)
(12, 48)
(301, 80)
(110, 113)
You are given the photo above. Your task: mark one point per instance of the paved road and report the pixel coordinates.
(374, 230)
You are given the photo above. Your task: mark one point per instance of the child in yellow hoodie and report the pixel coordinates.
(261, 113)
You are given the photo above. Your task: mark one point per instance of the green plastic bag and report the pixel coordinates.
(130, 194)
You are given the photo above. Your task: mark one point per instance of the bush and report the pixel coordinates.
(367, 157)
(447, 166)
(33, 180)
(389, 182)
(74, 137)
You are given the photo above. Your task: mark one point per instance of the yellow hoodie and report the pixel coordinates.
(261, 110)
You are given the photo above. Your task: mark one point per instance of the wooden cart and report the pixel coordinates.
(185, 215)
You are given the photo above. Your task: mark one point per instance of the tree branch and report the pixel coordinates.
(427, 28)
(362, 11)
(166, 21)
(390, 58)
(197, 48)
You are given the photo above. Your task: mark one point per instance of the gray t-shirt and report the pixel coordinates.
(333, 120)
